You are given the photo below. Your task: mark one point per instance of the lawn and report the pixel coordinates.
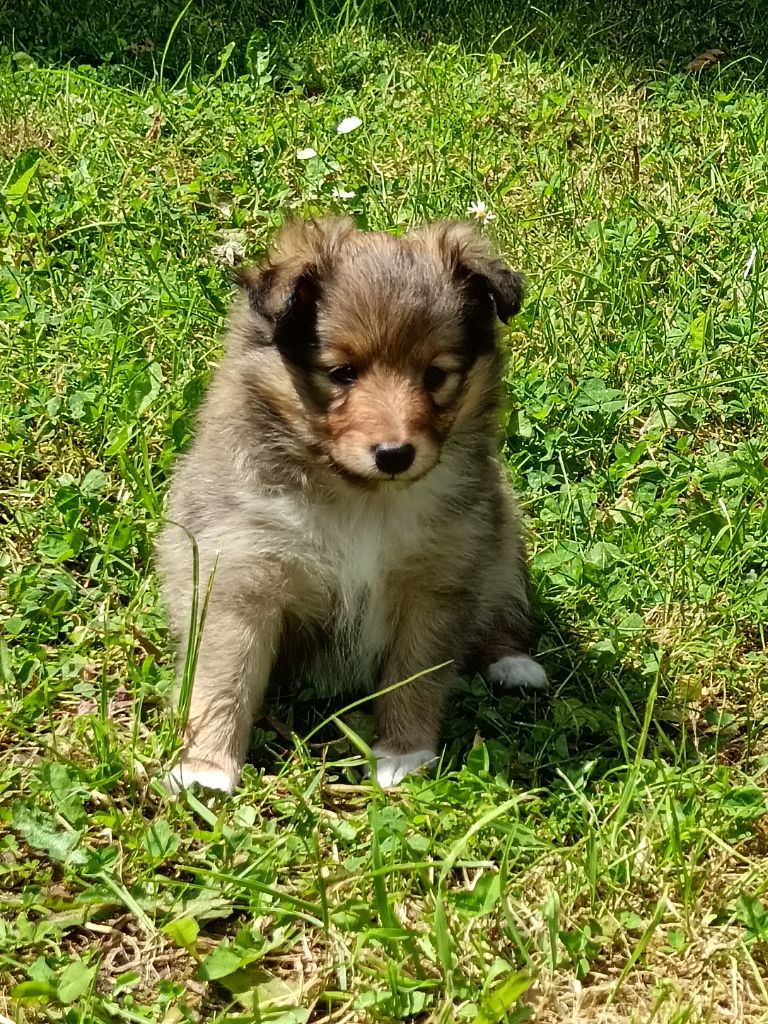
(600, 854)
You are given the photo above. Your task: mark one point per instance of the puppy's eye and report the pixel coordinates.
(434, 378)
(345, 376)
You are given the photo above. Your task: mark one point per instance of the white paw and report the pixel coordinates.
(185, 776)
(518, 671)
(392, 768)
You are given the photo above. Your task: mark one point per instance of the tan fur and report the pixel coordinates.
(324, 565)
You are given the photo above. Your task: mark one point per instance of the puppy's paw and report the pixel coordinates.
(517, 671)
(208, 776)
(392, 768)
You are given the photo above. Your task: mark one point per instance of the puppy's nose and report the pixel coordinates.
(393, 458)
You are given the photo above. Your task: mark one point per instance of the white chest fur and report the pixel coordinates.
(363, 539)
(368, 542)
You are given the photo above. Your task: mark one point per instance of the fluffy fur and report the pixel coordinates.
(345, 490)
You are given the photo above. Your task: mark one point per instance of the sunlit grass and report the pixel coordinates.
(601, 853)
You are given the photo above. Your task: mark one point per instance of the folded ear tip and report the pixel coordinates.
(313, 240)
(239, 276)
(508, 293)
(251, 282)
(465, 252)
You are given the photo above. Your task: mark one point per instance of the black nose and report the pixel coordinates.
(393, 458)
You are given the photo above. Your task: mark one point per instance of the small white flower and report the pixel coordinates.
(339, 193)
(306, 154)
(480, 212)
(228, 252)
(348, 125)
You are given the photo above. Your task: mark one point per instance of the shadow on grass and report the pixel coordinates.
(143, 35)
(592, 720)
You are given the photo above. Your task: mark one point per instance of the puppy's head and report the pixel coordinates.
(386, 344)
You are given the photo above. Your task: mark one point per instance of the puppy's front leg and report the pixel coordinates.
(408, 718)
(236, 657)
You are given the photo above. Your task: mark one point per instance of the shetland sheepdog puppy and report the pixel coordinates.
(345, 491)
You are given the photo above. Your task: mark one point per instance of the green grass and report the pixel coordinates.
(606, 848)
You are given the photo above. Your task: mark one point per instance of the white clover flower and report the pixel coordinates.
(228, 252)
(339, 193)
(306, 154)
(348, 125)
(480, 212)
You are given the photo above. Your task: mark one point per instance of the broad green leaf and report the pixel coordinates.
(218, 964)
(751, 912)
(160, 841)
(42, 833)
(22, 173)
(7, 677)
(65, 793)
(31, 991)
(41, 970)
(93, 483)
(125, 981)
(255, 986)
(183, 932)
(503, 998)
(74, 981)
(746, 802)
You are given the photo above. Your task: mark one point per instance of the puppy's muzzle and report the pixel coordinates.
(393, 459)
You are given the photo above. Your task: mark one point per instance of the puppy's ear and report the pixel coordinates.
(466, 255)
(301, 258)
